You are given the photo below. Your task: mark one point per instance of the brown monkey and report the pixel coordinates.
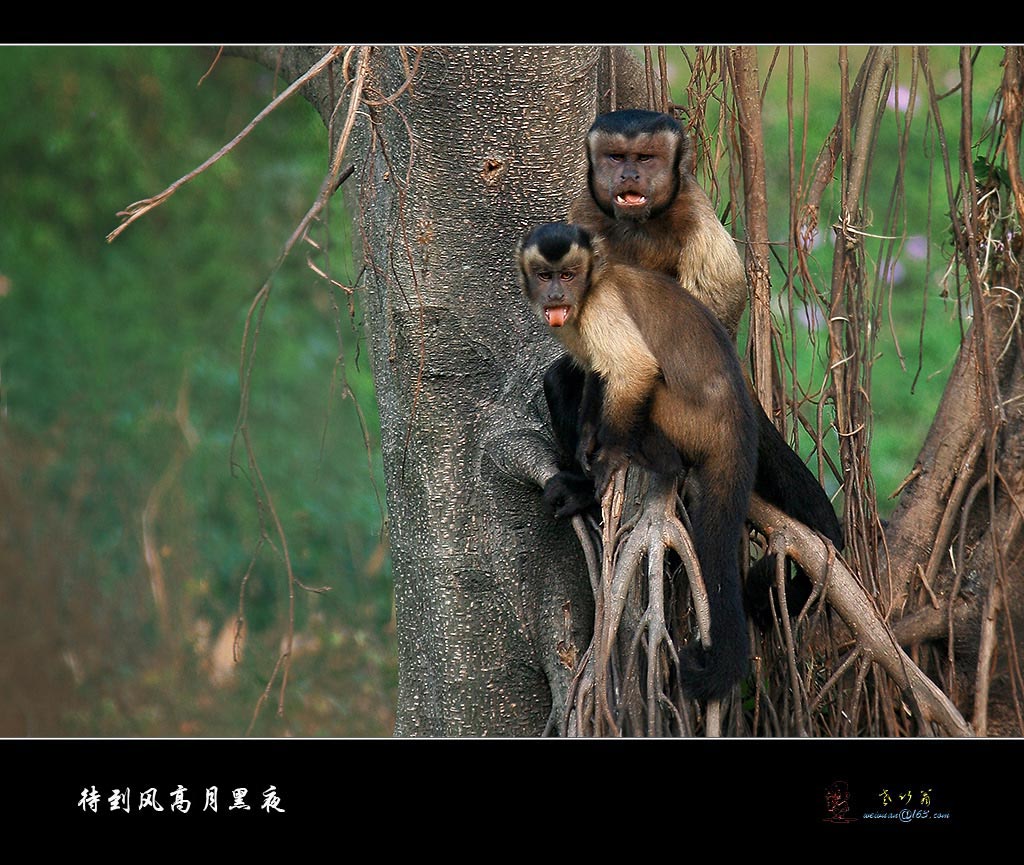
(673, 396)
(644, 201)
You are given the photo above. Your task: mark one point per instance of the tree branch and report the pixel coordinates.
(872, 637)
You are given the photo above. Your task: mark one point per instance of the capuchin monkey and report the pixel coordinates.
(673, 397)
(644, 202)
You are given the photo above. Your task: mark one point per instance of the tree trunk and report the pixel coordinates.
(493, 602)
(491, 594)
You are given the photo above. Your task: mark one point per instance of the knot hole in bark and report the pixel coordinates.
(492, 170)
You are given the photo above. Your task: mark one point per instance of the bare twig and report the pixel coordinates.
(743, 66)
(141, 208)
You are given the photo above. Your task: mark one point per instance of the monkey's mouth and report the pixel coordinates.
(556, 316)
(630, 199)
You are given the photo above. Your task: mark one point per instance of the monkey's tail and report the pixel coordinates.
(784, 481)
(710, 672)
(761, 580)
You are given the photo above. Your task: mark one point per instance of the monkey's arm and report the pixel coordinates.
(709, 265)
(584, 212)
(570, 491)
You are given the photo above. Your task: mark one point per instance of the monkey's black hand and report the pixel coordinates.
(569, 493)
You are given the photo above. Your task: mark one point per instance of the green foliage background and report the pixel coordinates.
(97, 340)
(918, 313)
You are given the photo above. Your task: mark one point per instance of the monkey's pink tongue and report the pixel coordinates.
(556, 315)
(632, 198)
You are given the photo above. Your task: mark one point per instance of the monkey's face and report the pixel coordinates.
(554, 294)
(554, 266)
(633, 177)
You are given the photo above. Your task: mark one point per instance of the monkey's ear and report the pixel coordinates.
(521, 245)
(599, 249)
(687, 154)
(520, 268)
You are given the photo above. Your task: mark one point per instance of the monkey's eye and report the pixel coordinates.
(644, 157)
(544, 275)
(616, 157)
(566, 275)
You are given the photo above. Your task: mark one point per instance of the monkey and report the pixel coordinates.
(642, 198)
(672, 397)
(644, 201)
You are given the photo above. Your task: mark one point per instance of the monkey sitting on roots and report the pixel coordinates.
(673, 397)
(644, 201)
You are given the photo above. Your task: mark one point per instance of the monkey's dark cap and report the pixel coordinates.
(554, 240)
(635, 121)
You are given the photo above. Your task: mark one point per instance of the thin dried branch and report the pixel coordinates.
(265, 505)
(141, 208)
(154, 502)
(1013, 115)
(743, 67)
(825, 166)
(873, 639)
(850, 338)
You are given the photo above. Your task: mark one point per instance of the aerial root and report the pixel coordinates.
(627, 682)
(875, 644)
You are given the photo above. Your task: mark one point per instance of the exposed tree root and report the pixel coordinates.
(873, 640)
(627, 682)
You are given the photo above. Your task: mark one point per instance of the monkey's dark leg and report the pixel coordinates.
(718, 517)
(644, 442)
(589, 421)
(784, 481)
(571, 490)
